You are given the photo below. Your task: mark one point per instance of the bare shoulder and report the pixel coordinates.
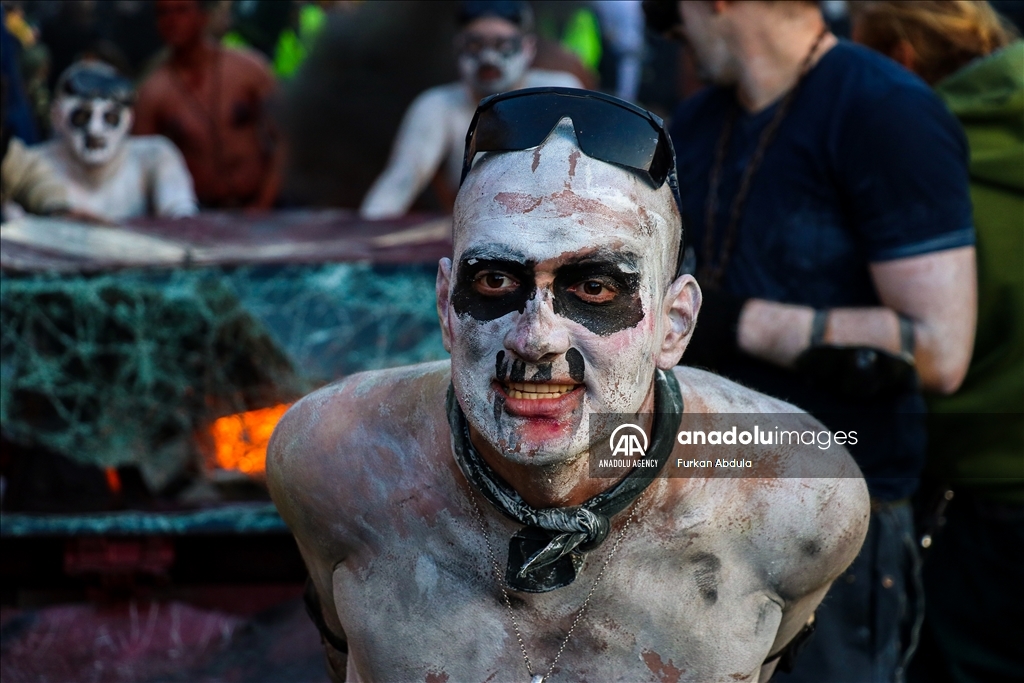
(243, 60)
(156, 84)
(439, 99)
(332, 443)
(154, 147)
(543, 78)
(706, 392)
(806, 505)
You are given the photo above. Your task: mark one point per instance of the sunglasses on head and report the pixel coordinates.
(607, 129)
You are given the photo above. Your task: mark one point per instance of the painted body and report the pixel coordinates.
(560, 301)
(146, 177)
(432, 136)
(698, 591)
(493, 55)
(107, 173)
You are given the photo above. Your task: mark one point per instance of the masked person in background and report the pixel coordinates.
(494, 48)
(975, 62)
(108, 173)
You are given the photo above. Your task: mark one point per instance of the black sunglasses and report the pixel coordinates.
(607, 129)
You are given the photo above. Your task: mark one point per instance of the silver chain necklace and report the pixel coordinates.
(534, 677)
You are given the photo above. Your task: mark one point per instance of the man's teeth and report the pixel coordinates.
(529, 390)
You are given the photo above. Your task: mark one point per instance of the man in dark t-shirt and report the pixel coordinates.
(831, 230)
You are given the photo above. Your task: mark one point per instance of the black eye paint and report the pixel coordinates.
(112, 118)
(467, 301)
(623, 311)
(576, 365)
(80, 117)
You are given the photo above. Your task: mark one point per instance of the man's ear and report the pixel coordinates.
(682, 303)
(444, 277)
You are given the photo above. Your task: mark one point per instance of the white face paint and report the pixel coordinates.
(490, 71)
(493, 55)
(93, 129)
(561, 263)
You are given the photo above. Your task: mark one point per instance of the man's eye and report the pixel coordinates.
(494, 283)
(112, 118)
(594, 291)
(80, 117)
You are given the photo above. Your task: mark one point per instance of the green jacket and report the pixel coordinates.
(978, 448)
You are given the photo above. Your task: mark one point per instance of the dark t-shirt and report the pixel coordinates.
(867, 166)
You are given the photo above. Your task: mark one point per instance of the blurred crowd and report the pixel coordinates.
(851, 169)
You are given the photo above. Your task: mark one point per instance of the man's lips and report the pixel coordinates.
(488, 73)
(544, 400)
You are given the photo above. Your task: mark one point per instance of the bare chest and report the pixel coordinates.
(425, 605)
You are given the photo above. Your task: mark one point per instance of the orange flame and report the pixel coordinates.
(241, 440)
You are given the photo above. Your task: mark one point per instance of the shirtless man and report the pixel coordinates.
(495, 47)
(561, 302)
(211, 101)
(106, 172)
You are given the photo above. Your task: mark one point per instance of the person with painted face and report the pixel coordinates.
(212, 102)
(494, 49)
(446, 511)
(108, 173)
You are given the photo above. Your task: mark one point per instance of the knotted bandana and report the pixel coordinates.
(549, 551)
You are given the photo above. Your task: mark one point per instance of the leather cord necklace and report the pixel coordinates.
(496, 568)
(548, 552)
(710, 273)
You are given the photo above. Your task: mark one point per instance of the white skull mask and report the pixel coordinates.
(94, 129)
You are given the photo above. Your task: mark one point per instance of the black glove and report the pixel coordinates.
(714, 339)
(857, 372)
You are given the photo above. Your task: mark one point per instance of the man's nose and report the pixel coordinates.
(95, 126)
(538, 334)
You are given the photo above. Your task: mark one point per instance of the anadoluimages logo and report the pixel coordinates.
(628, 441)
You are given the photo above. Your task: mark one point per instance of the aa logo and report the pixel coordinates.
(629, 441)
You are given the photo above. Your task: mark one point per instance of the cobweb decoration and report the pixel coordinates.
(127, 367)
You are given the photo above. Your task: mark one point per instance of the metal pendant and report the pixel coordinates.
(558, 574)
(537, 678)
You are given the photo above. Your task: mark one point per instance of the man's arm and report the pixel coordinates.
(831, 515)
(295, 476)
(172, 192)
(937, 292)
(419, 148)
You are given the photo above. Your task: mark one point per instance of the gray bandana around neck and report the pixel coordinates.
(548, 552)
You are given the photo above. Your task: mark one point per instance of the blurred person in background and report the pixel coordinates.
(107, 172)
(975, 62)
(494, 50)
(622, 33)
(828, 193)
(27, 182)
(212, 102)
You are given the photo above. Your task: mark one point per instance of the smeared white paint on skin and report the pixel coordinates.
(426, 574)
(546, 204)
